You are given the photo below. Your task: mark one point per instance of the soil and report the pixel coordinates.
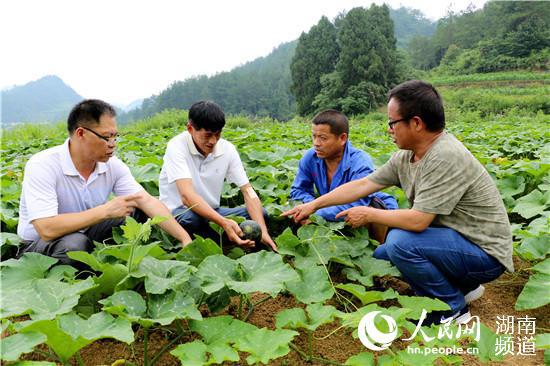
(329, 341)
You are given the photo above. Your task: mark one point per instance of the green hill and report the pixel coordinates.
(47, 99)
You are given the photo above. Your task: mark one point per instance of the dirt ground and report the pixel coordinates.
(330, 342)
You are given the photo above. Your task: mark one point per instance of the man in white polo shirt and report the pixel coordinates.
(64, 201)
(196, 163)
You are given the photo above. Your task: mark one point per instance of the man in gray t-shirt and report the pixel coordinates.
(456, 235)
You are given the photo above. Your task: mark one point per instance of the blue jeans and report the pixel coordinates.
(195, 224)
(439, 263)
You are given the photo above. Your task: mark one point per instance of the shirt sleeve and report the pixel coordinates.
(303, 186)
(39, 190)
(175, 164)
(124, 183)
(441, 186)
(235, 172)
(387, 174)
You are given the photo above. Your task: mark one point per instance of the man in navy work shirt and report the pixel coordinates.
(331, 162)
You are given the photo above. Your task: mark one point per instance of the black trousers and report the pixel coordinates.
(77, 241)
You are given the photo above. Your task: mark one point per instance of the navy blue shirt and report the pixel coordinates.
(312, 175)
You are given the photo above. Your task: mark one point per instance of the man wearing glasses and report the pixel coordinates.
(456, 235)
(331, 162)
(64, 200)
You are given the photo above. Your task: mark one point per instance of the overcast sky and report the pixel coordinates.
(120, 50)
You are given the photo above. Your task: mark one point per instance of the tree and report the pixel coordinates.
(367, 64)
(316, 55)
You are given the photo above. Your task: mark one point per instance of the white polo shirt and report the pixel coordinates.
(52, 186)
(182, 160)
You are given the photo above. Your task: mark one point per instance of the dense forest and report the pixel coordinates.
(504, 35)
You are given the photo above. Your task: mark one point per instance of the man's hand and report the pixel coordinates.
(300, 212)
(121, 206)
(356, 216)
(266, 239)
(234, 233)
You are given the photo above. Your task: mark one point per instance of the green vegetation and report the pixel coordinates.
(348, 65)
(504, 35)
(145, 282)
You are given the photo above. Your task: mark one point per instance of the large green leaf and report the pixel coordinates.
(165, 308)
(69, 333)
(290, 244)
(312, 318)
(191, 354)
(487, 345)
(264, 272)
(368, 297)
(198, 250)
(43, 298)
(543, 341)
(361, 359)
(264, 345)
(368, 267)
(312, 286)
(14, 346)
(419, 303)
(112, 273)
(536, 292)
(123, 252)
(533, 204)
(511, 185)
(535, 248)
(163, 275)
(162, 309)
(217, 272)
(225, 329)
(220, 332)
(31, 266)
(257, 272)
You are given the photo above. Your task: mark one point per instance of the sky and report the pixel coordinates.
(120, 51)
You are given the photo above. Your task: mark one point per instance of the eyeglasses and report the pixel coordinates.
(104, 138)
(392, 123)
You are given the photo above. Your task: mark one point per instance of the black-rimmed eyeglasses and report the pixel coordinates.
(104, 138)
(392, 123)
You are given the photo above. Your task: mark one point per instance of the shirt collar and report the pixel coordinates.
(218, 149)
(67, 164)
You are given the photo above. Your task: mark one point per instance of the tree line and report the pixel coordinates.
(350, 62)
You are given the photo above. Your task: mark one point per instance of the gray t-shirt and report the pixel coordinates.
(448, 181)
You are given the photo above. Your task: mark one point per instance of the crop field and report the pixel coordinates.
(148, 302)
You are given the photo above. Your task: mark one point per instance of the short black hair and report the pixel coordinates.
(418, 98)
(87, 113)
(208, 115)
(337, 121)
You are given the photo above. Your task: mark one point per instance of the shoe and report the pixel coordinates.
(474, 294)
(460, 317)
(438, 317)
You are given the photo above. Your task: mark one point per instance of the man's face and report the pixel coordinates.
(400, 131)
(100, 140)
(204, 140)
(326, 144)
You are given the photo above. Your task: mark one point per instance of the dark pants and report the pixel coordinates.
(195, 224)
(439, 263)
(78, 241)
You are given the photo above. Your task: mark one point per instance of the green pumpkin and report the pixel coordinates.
(251, 230)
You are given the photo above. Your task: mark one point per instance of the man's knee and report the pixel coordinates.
(398, 242)
(381, 252)
(74, 242)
